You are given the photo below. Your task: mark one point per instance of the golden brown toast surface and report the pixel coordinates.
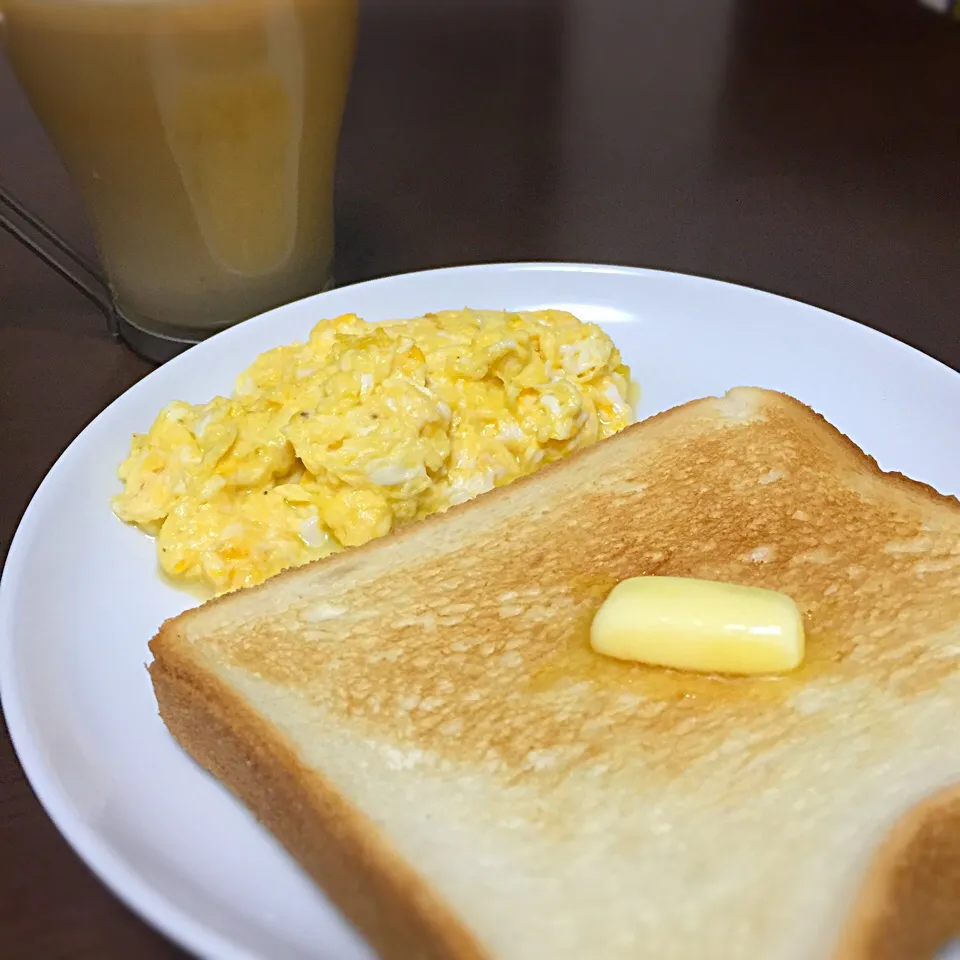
(458, 649)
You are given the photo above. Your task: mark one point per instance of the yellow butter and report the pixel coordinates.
(699, 625)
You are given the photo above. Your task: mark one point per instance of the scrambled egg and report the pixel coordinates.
(363, 428)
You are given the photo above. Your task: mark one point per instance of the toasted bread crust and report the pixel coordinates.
(399, 914)
(906, 907)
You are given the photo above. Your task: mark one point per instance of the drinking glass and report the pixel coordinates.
(201, 136)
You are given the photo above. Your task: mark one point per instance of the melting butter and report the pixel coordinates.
(700, 625)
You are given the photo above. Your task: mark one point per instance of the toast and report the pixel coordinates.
(421, 721)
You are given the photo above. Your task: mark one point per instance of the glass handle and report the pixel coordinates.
(47, 244)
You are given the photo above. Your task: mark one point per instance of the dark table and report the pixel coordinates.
(808, 148)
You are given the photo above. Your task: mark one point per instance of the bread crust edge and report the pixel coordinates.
(907, 905)
(395, 909)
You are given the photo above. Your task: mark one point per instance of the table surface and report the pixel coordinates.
(806, 148)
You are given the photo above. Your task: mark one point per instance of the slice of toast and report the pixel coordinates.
(423, 725)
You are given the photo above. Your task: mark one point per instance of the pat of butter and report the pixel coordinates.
(699, 625)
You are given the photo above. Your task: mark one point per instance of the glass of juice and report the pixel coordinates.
(201, 136)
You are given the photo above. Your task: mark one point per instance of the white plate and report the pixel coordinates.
(80, 599)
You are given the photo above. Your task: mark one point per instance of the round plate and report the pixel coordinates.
(80, 597)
